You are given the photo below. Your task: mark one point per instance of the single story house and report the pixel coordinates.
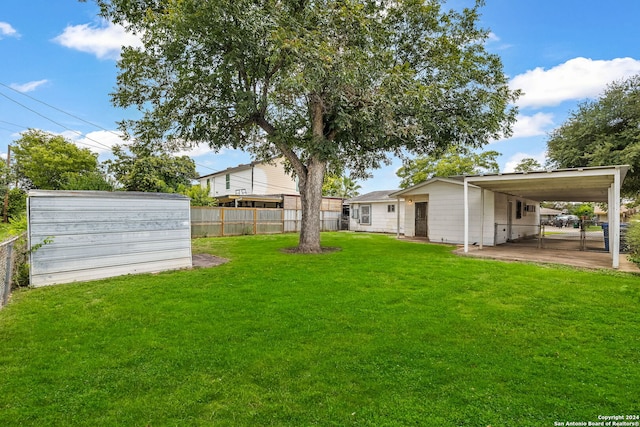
(435, 210)
(547, 214)
(376, 212)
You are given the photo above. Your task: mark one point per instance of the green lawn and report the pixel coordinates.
(381, 333)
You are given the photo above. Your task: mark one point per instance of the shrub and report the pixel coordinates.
(633, 239)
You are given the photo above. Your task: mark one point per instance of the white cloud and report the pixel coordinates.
(575, 79)
(494, 41)
(100, 142)
(535, 125)
(29, 86)
(7, 30)
(198, 150)
(105, 41)
(517, 158)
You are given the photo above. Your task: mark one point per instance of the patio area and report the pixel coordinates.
(558, 246)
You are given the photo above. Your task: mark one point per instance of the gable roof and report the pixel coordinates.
(374, 196)
(398, 193)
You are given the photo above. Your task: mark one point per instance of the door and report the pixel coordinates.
(421, 219)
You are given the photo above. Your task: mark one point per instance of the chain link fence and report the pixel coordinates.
(13, 260)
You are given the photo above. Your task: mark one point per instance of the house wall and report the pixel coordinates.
(501, 219)
(101, 234)
(272, 179)
(382, 221)
(240, 182)
(515, 228)
(445, 213)
(260, 178)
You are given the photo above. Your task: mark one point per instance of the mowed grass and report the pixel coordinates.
(380, 333)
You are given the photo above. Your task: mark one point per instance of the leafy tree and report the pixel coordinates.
(340, 186)
(453, 162)
(142, 168)
(582, 209)
(94, 180)
(45, 161)
(603, 132)
(199, 196)
(17, 203)
(527, 164)
(330, 85)
(633, 239)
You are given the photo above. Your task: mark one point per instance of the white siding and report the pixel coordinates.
(272, 179)
(382, 221)
(445, 213)
(258, 178)
(99, 234)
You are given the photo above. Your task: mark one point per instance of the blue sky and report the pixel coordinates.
(59, 67)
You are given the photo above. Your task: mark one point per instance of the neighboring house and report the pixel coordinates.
(547, 215)
(376, 212)
(247, 185)
(268, 185)
(434, 209)
(625, 213)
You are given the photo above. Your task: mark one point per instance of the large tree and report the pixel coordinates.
(50, 162)
(139, 167)
(603, 132)
(455, 161)
(340, 186)
(527, 164)
(328, 84)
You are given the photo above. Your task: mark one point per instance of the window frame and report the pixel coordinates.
(365, 218)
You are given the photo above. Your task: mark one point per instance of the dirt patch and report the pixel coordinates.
(206, 260)
(324, 249)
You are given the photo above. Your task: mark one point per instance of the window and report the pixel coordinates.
(365, 214)
(391, 208)
(355, 213)
(228, 181)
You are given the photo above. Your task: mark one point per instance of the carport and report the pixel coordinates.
(592, 184)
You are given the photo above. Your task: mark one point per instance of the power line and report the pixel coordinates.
(59, 124)
(70, 115)
(60, 110)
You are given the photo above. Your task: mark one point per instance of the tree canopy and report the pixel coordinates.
(603, 132)
(527, 164)
(50, 162)
(453, 162)
(139, 168)
(328, 84)
(340, 186)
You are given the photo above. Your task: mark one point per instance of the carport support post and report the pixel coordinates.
(397, 217)
(482, 217)
(614, 232)
(466, 215)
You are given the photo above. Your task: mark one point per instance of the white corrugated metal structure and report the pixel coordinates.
(95, 234)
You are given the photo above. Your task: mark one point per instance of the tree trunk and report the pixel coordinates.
(311, 198)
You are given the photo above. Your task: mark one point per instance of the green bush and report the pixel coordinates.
(633, 239)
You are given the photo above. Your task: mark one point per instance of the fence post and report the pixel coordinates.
(255, 221)
(221, 222)
(7, 274)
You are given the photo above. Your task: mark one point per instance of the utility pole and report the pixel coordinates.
(6, 194)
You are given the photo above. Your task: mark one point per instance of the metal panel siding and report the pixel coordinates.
(102, 235)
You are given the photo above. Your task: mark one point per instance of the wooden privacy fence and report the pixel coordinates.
(218, 221)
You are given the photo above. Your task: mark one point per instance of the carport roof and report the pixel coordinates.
(589, 184)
